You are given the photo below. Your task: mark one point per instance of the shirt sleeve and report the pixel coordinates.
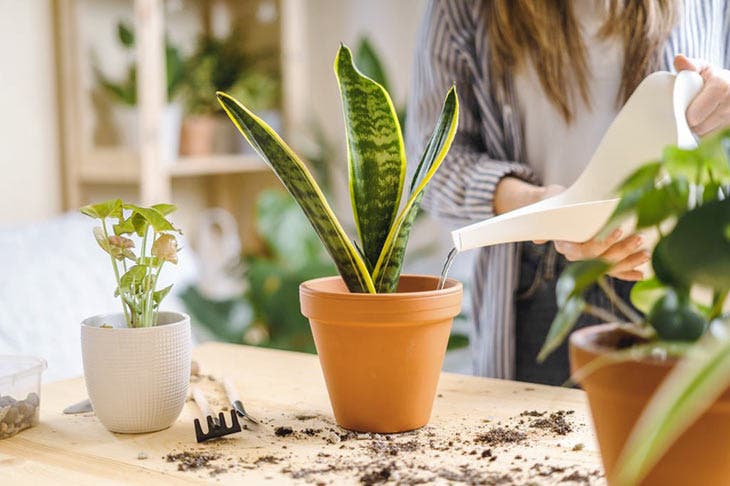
(463, 187)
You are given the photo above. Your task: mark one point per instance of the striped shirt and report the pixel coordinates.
(453, 48)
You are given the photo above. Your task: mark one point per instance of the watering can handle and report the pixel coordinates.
(686, 86)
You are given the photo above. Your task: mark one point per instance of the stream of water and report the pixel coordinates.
(445, 270)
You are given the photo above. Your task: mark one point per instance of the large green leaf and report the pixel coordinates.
(561, 326)
(387, 270)
(301, 185)
(376, 154)
(689, 390)
(697, 250)
(577, 277)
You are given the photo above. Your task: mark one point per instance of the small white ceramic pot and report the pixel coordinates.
(137, 379)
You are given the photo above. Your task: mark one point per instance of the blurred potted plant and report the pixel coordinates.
(658, 386)
(221, 65)
(136, 362)
(380, 337)
(124, 94)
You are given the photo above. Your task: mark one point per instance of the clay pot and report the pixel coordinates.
(618, 393)
(381, 354)
(198, 135)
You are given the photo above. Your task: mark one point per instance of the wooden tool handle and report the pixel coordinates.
(203, 405)
(231, 391)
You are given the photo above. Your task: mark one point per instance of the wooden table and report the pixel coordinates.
(284, 389)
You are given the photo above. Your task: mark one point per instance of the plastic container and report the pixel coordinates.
(20, 393)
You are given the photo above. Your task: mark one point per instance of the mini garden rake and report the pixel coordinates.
(217, 427)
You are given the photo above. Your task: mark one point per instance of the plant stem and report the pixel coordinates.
(718, 302)
(116, 274)
(600, 313)
(619, 303)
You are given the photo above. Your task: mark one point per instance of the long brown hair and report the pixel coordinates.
(547, 33)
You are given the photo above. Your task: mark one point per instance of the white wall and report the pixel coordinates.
(30, 188)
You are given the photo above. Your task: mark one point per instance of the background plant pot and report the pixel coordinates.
(381, 354)
(198, 135)
(617, 395)
(127, 123)
(137, 379)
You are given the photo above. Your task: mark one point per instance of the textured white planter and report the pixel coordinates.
(137, 379)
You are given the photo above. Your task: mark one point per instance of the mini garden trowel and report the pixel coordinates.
(652, 118)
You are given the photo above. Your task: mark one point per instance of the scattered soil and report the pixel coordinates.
(283, 431)
(195, 460)
(500, 435)
(498, 452)
(555, 422)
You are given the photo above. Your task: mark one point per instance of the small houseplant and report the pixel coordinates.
(380, 336)
(658, 385)
(136, 362)
(124, 94)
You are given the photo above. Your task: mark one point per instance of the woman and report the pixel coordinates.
(539, 83)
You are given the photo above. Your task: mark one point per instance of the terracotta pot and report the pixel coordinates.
(617, 395)
(381, 354)
(198, 135)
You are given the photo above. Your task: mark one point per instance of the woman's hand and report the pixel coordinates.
(710, 110)
(626, 254)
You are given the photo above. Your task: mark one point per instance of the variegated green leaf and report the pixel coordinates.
(301, 185)
(375, 153)
(691, 387)
(387, 270)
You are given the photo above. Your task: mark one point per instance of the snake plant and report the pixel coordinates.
(377, 167)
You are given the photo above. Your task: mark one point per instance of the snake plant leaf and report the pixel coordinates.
(691, 388)
(375, 154)
(301, 185)
(387, 270)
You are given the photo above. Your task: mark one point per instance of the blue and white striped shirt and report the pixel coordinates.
(453, 48)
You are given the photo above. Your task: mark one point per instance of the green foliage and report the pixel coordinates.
(299, 182)
(222, 65)
(125, 90)
(682, 196)
(136, 282)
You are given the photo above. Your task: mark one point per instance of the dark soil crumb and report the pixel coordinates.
(532, 413)
(576, 477)
(193, 460)
(555, 423)
(380, 475)
(305, 417)
(311, 432)
(267, 460)
(500, 435)
(578, 447)
(283, 431)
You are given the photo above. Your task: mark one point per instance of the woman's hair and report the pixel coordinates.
(547, 33)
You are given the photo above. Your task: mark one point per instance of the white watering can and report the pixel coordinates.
(652, 118)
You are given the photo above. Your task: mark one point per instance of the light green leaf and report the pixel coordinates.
(375, 153)
(134, 277)
(387, 269)
(577, 277)
(645, 293)
(564, 321)
(164, 208)
(101, 239)
(158, 295)
(687, 392)
(153, 217)
(662, 202)
(111, 208)
(299, 182)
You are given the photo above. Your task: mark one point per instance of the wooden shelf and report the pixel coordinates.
(119, 166)
(217, 164)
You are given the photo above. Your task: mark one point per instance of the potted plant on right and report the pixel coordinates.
(381, 337)
(136, 362)
(658, 385)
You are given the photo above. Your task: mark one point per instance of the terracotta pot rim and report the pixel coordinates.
(313, 287)
(587, 339)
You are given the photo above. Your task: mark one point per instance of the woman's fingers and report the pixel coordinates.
(631, 262)
(631, 275)
(589, 249)
(618, 251)
(710, 109)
